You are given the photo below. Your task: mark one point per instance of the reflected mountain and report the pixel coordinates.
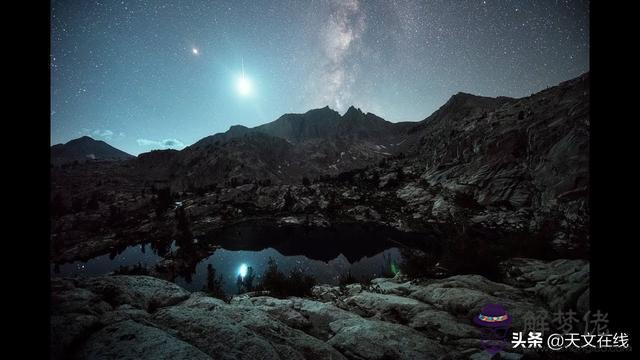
(360, 250)
(353, 240)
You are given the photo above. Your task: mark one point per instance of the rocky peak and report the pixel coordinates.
(458, 107)
(352, 113)
(316, 123)
(237, 130)
(354, 122)
(325, 111)
(85, 148)
(466, 100)
(83, 139)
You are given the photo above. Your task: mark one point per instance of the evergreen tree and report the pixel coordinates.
(213, 285)
(246, 284)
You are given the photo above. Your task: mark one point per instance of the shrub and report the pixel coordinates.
(299, 284)
(418, 264)
(280, 285)
(346, 279)
(272, 279)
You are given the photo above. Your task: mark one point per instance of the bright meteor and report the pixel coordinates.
(243, 85)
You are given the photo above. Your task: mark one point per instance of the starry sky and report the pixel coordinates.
(145, 75)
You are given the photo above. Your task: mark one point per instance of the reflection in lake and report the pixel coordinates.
(327, 254)
(228, 262)
(131, 256)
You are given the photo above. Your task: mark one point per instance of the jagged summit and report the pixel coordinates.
(323, 142)
(352, 112)
(517, 165)
(326, 111)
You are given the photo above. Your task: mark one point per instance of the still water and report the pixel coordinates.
(325, 254)
(133, 255)
(324, 272)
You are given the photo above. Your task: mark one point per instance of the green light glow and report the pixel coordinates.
(394, 268)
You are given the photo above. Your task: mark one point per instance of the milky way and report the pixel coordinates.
(338, 38)
(163, 74)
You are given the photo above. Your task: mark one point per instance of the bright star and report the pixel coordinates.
(243, 270)
(195, 51)
(243, 85)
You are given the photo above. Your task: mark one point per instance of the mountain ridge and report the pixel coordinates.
(85, 149)
(516, 166)
(460, 99)
(321, 142)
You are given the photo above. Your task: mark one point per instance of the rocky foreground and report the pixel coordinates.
(141, 317)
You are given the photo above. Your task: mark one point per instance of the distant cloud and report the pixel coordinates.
(162, 144)
(107, 134)
(172, 143)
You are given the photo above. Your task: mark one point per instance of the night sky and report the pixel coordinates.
(144, 75)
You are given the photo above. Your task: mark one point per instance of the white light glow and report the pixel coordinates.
(243, 86)
(243, 270)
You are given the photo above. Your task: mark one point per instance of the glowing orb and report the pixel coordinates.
(243, 85)
(195, 51)
(243, 270)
